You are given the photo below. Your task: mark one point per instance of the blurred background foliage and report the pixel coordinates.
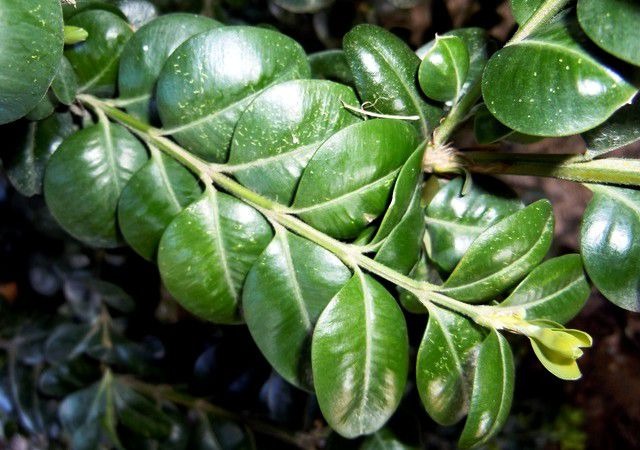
(94, 354)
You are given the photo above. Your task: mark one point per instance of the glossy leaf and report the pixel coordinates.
(140, 414)
(523, 9)
(303, 6)
(90, 169)
(30, 147)
(145, 54)
(281, 130)
(551, 85)
(75, 7)
(503, 254)
(623, 128)
(285, 292)
(489, 130)
(360, 357)
(385, 440)
(555, 290)
(613, 25)
(492, 393)
(138, 12)
(609, 245)
(207, 251)
(384, 69)
(444, 365)
(444, 68)
(331, 65)
(200, 99)
(454, 221)
(214, 433)
(151, 199)
(65, 83)
(95, 60)
(31, 42)
(347, 183)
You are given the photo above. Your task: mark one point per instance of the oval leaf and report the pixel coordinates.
(146, 52)
(200, 98)
(550, 85)
(623, 128)
(555, 290)
(384, 69)
(609, 245)
(360, 357)
(95, 60)
(90, 169)
(492, 392)
(285, 292)
(151, 199)
(207, 251)
(281, 130)
(347, 183)
(31, 41)
(454, 221)
(331, 65)
(65, 83)
(444, 68)
(444, 365)
(503, 254)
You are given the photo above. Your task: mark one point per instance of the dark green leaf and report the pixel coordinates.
(62, 379)
(79, 6)
(555, 290)
(385, 440)
(347, 183)
(303, 6)
(551, 85)
(139, 413)
(444, 365)
(524, 9)
(503, 254)
(613, 25)
(360, 357)
(214, 433)
(95, 60)
(492, 392)
(31, 41)
(609, 244)
(385, 69)
(489, 130)
(454, 221)
(65, 83)
(146, 52)
(444, 68)
(285, 292)
(31, 146)
(424, 270)
(43, 109)
(200, 99)
(331, 65)
(281, 130)
(90, 169)
(623, 128)
(207, 251)
(151, 199)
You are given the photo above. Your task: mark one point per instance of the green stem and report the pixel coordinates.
(566, 167)
(543, 14)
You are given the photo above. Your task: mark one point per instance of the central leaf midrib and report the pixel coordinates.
(219, 242)
(111, 159)
(297, 291)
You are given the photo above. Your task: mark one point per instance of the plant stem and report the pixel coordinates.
(543, 14)
(566, 167)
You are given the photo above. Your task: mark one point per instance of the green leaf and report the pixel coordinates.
(556, 290)
(78, 6)
(65, 83)
(523, 9)
(90, 169)
(157, 193)
(207, 251)
(43, 109)
(454, 221)
(385, 440)
(384, 69)
(140, 414)
(503, 254)
(138, 12)
(360, 357)
(551, 85)
(444, 365)
(444, 68)
(73, 35)
(609, 245)
(492, 392)
(488, 129)
(409, 179)
(285, 292)
(31, 144)
(95, 60)
(303, 6)
(145, 54)
(31, 42)
(623, 128)
(200, 99)
(214, 433)
(347, 183)
(613, 25)
(331, 65)
(424, 270)
(281, 130)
